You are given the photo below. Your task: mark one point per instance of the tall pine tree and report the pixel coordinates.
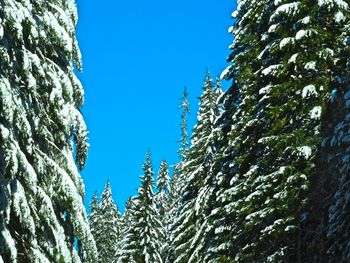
(142, 242)
(188, 227)
(107, 226)
(41, 191)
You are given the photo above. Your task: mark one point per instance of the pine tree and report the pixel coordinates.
(128, 250)
(95, 217)
(148, 225)
(142, 242)
(109, 227)
(176, 181)
(162, 195)
(42, 215)
(162, 203)
(185, 106)
(326, 228)
(282, 77)
(187, 234)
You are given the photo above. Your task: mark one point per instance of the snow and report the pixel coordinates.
(339, 16)
(235, 14)
(265, 90)
(306, 20)
(316, 112)
(310, 65)
(302, 34)
(305, 151)
(289, 9)
(272, 28)
(309, 90)
(225, 72)
(285, 41)
(331, 3)
(293, 58)
(272, 70)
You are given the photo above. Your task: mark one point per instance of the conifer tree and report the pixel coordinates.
(128, 250)
(41, 191)
(162, 203)
(177, 180)
(148, 225)
(162, 195)
(95, 217)
(185, 106)
(282, 78)
(142, 242)
(109, 227)
(186, 237)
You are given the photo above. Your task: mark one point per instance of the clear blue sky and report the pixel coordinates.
(137, 57)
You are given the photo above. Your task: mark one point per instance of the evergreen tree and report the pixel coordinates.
(162, 202)
(162, 195)
(95, 217)
(128, 250)
(142, 242)
(188, 231)
(185, 106)
(148, 225)
(282, 78)
(109, 227)
(42, 215)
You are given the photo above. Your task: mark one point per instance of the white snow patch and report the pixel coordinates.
(339, 17)
(305, 151)
(309, 90)
(310, 65)
(316, 112)
(293, 58)
(286, 41)
(271, 70)
(225, 72)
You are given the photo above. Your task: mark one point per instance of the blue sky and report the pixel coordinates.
(137, 57)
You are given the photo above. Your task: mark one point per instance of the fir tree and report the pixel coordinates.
(41, 209)
(162, 195)
(185, 106)
(162, 202)
(95, 217)
(142, 242)
(282, 78)
(128, 245)
(109, 227)
(187, 234)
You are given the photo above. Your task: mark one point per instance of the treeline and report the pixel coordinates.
(266, 175)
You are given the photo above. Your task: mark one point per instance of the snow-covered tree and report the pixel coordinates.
(162, 194)
(283, 70)
(128, 250)
(142, 240)
(185, 106)
(188, 232)
(162, 202)
(95, 216)
(42, 215)
(107, 227)
(148, 225)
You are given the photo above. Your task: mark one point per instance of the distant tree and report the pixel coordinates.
(107, 227)
(128, 250)
(162, 202)
(142, 242)
(42, 216)
(185, 106)
(95, 216)
(187, 228)
(162, 194)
